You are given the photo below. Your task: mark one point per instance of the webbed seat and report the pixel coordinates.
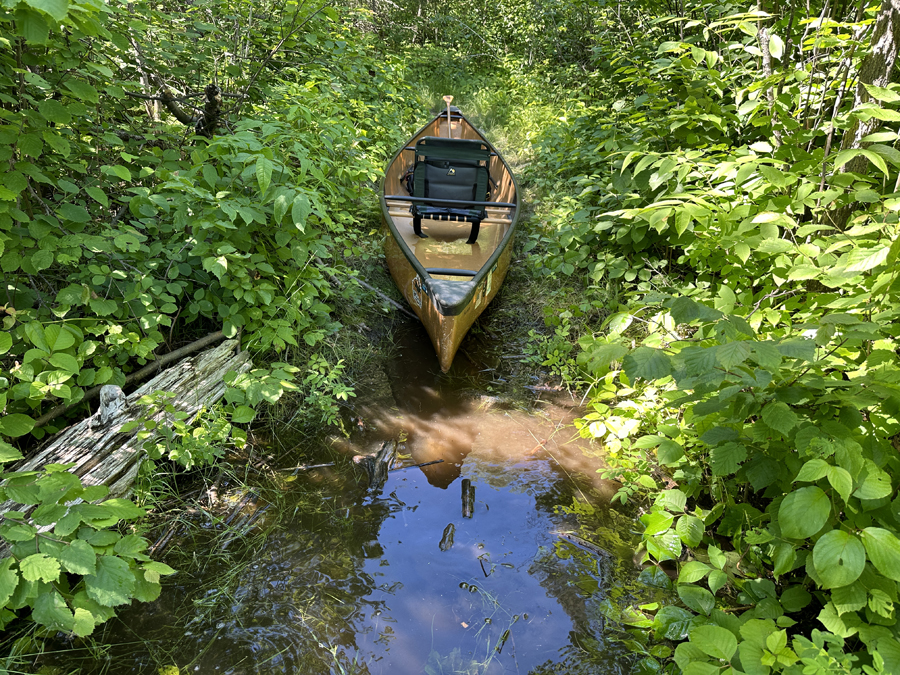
(453, 169)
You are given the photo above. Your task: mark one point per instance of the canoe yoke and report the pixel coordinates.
(452, 169)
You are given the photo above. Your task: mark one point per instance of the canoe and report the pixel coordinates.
(453, 267)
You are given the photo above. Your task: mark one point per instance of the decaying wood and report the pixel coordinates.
(377, 466)
(101, 454)
(153, 367)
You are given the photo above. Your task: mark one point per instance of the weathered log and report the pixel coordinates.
(103, 455)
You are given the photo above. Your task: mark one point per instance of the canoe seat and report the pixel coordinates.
(453, 169)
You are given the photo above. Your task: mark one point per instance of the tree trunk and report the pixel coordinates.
(875, 70)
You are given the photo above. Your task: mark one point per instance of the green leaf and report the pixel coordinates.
(839, 558)
(131, 546)
(82, 90)
(804, 512)
(113, 582)
(66, 362)
(717, 579)
(733, 354)
(690, 529)
(647, 363)
(8, 454)
(875, 485)
(883, 549)
(33, 26)
(16, 425)
(697, 598)
(85, 622)
(669, 452)
(97, 195)
(718, 642)
(243, 414)
(882, 94)
(74, 212)
(123, 508)
(58, 9)
(779, 417)
(727, 458)
(39, 567)
(300, 211)
(50, 610)
(9, 579)
(841, 481)
(79, 557)
(58, 338)
(693, 571)
(6, 342)
(54, 111)
(263, 173)
(813, 470)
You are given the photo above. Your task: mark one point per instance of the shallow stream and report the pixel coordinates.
(403, 581)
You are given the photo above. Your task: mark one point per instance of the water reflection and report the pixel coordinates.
(406, 581)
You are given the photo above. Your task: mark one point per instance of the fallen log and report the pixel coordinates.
(102, 454)
(377, 466)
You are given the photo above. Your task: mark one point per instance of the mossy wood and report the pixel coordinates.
(101, 454)
(448, 256)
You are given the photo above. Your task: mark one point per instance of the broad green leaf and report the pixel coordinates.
(776, 46)
(85, 622)
(867, 259)
(97, 195)
(717, 579)
(54, 111)
(6, 342)
(113, 582)
(33, 26)
(840, 480)
(57, 9)
(693, 571)
(780, 417)
(647, 363)
(718, 642)
(733, 354)
(882, 94)
(883, 549)
(697, 598)
(123, 508)
(82, 90)
(875, 485)
(263, 173)
(79, 557)
(131, 546)
(849, 598)
(690, 529)
(669, 452)
(243, 414)
(16, 425)
(804, 512)
(726, 458)
(66, 362)
(813, 470)
(9, 579)
(50, 610)
(300, 211)
(8, 454)
(839, 558)
(39, 567)
(58, 338)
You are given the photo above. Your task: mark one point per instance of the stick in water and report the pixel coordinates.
(448, 100)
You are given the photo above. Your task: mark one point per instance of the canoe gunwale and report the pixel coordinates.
(457, 307)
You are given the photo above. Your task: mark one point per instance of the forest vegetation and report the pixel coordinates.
(715, 189)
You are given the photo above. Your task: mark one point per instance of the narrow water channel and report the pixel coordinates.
(408, 581)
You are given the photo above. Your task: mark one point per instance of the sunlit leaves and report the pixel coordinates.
(839, 558)
(804, 512)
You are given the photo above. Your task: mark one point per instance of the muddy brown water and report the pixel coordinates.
(401, 582)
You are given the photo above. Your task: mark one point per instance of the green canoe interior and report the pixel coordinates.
(446, 246)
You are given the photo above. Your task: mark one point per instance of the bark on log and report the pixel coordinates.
(102, 455)
(377, 466)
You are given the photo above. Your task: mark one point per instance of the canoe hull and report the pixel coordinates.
(422, 269)
(446, 331)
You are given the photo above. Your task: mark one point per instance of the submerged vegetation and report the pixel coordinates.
(711, 261)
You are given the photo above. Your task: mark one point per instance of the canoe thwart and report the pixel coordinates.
(432, 200)
(451, 272)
